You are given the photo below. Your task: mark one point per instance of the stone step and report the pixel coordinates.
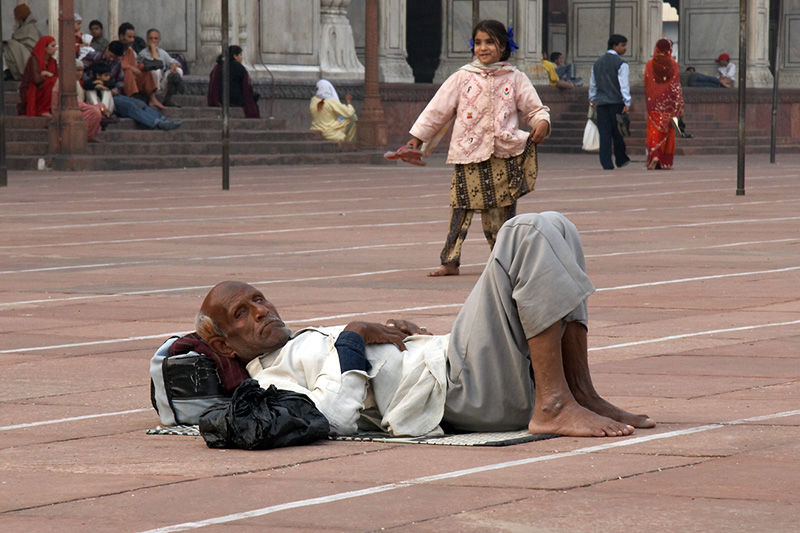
(167, 148)
(242, 124)
(207, 135)
(125, 162)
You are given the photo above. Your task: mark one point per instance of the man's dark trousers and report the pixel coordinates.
(609, 134)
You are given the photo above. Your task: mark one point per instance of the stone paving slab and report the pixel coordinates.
(695, 322)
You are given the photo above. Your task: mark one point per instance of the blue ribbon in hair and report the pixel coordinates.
(511, 44)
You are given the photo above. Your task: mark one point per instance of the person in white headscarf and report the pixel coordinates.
(335, 120)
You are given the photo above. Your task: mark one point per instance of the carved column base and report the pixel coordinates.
(395, 70)
(337, 49)
(760, 78)
(67, 134)
(372, 132)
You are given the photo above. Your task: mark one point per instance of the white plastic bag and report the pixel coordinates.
(591, 137)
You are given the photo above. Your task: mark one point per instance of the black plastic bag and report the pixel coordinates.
(260, 419)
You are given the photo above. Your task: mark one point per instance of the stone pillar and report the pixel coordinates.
(525, 16)
(372, 127)
(210, 35)
(392, 43)
(700, 47)
(112, 31)
(590, 21)
(789, 62)
(337, 51)
(52, 19)
(67, 130)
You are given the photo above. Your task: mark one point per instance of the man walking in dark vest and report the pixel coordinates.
(610, 95)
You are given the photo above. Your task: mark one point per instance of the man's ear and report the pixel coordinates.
(219, 345)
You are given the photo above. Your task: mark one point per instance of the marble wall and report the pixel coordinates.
(305, 39)
(789, 60)
(638, 20)
(701, 46)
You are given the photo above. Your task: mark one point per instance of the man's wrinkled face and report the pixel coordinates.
(250, 322)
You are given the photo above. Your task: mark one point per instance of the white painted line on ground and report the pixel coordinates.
(348, 495)
(690, 225)
(691, 248)
(217, 235)
(71, 419)
(226, 218)
(697, 334)
(364, 274)
(698, 278)
(316, 251)
(95, 343)
(358, 226)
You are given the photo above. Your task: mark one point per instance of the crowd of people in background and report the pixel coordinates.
(137, 78)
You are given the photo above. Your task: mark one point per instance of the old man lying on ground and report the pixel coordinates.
(516, 356)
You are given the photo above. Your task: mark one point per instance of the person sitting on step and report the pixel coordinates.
(166, 70)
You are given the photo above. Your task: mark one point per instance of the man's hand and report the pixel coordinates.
(348, 98)
(373, 333)
(626, 109)
(409, 328)
(135, 70)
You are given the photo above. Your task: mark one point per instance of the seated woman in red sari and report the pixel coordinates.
(664, 99)
(39, 80)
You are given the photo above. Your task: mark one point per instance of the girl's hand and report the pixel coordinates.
(414, 143)
(539, 131)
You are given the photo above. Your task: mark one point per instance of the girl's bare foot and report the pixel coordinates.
(605, 408)
(450, 269)
(571, 419)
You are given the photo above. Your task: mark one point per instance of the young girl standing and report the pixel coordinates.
(495, 161)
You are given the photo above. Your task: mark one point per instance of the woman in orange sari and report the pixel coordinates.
(664, 99)
(39, 79)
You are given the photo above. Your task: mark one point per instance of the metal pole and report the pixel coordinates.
(775, 75)
(476, 12)
(3, 167)
(742, 95)
(613, 17)
(226, 100)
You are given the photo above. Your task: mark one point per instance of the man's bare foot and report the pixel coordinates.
(155, 103)
(450, 269)
(605, 408)
(570, 419)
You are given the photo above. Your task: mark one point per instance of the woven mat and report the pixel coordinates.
(192, 431)
(504, 438)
